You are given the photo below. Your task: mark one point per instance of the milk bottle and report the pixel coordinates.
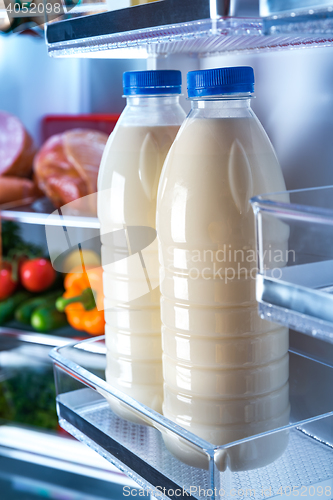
(225, 370)
(127, 191)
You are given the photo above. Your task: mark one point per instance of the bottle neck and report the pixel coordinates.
(221, 106)
(152, 111)
(153, 100)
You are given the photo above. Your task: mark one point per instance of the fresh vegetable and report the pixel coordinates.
(47, 318)
(28, 397)
(78, 301)
(8, 283)
(7, 405)
(13, 244)
(8, 306)
(24, 312)
(37, 275)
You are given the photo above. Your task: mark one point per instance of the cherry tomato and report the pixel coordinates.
(7, 284)
(37, 275)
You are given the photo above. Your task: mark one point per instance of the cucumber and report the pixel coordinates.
(24, 312)
(8, 306)
(47, 318)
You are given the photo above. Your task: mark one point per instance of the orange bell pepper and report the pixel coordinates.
(78, 301)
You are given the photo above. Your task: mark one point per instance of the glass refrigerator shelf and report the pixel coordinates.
(297, 16)
(197, 27)
(140, 450)
(41, 212)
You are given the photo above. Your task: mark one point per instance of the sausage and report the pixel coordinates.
(16, 188)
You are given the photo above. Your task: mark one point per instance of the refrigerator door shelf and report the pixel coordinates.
(140, 450)
(295, 284)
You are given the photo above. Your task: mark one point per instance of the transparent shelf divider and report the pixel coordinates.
(296, 289)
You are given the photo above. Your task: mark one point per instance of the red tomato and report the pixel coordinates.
(37, 275)
(7, 284)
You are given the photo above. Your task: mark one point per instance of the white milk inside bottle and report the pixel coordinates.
(225, 370)
(127, 191)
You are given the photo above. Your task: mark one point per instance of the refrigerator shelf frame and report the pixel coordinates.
(50, 449)
(14, 336)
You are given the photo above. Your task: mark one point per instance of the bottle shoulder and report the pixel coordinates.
(215, 135)
(213, 158)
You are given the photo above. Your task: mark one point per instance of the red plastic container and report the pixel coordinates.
(56, 124)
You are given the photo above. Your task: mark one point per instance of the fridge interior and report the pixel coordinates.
(293, 102)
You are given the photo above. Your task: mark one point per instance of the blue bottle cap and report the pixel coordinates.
(210, 82)
(152, 82)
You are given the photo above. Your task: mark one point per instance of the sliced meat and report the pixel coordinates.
(55, 175)
(16, 147)
(85, 149)
(66, 168)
